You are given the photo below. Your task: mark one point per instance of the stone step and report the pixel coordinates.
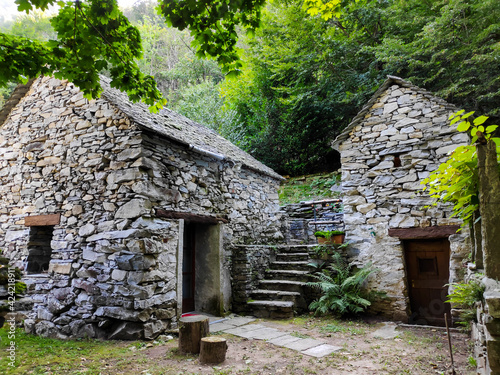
(287, 275)
(272, 309)
(274, 295)
(282, 285)
(292, 257)
(297, 265)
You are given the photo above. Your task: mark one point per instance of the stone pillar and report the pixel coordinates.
(489, 201)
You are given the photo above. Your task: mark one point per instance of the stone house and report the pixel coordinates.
(123, 219)
(395, 141)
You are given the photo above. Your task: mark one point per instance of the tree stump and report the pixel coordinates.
(191, 330)
(213, 350)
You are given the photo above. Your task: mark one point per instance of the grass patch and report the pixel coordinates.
(311, 187)
(37, 355)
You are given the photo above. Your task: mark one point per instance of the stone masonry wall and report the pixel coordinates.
(113, 267)
(403, 136)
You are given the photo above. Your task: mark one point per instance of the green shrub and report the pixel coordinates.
(328, 233)
(465, 296)
(342, 288)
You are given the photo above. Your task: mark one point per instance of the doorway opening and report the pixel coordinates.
(428, 271)
(201, 269)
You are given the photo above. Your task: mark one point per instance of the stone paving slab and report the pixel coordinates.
(283, 340)
(222, 326)
(321, 350)
(267, 334)
(240, 320)
(303, 344)
(239, 331)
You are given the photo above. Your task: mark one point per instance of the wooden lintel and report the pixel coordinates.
(442, 231)
(42, 220)
(190, 217)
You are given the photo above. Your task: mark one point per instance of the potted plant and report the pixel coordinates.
(330, 236)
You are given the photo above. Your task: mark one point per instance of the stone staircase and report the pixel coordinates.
(282, 292)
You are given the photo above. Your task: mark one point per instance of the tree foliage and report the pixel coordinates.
(92, 36)
(457, 179)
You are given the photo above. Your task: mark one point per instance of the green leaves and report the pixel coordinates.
(213, 25)
(92, 36)
(457, 180)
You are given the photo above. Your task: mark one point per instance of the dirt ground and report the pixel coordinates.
(414, 351)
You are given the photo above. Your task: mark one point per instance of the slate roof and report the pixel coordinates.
(180, 129)
(167, 124)
(391, 80)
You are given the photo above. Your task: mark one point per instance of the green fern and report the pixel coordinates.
(342, 288)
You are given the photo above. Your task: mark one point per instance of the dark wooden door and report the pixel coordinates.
(428, 270)
(188, 269)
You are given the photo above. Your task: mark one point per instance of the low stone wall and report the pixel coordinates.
(249, 263)
(486, 331)
(298, 219)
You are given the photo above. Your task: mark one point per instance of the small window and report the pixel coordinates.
(427, 266)
(397, 161)
(39, 249)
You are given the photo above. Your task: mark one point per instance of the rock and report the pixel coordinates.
(127, 331)
(133, 209)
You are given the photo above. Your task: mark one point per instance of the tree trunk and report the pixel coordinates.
(489, 206)
(191, 330)
(213, 350)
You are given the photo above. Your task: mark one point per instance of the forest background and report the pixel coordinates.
(304, 77)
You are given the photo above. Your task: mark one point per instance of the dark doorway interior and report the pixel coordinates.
(39, 249)
(428, 269)
(188, 268)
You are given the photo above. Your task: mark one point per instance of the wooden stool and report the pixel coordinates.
(191, 330)
(213, 350)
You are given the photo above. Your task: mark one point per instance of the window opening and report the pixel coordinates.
(39, 249)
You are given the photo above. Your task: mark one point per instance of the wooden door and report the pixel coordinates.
(188, 269)
(428, 270)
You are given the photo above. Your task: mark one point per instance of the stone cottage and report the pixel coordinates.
(394, 142)
(122, 218)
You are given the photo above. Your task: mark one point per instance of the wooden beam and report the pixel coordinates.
(442, 231)
(42, 220)
(190, 217)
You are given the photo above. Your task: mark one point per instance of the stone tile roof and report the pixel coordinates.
(168, 124)
(180, 129)
(359, 118)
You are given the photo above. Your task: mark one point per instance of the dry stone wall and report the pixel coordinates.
(113, 267)
(400, 137)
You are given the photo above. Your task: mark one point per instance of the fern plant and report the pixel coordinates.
(342, 288)
(465, 296)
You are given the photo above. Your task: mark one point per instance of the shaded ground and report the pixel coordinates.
(414, 351)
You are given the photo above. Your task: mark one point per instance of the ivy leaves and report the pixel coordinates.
(92, 36)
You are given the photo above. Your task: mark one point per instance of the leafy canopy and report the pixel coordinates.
(92, 36)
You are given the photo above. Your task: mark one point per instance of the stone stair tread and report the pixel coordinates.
(272, 303)
(291, 263)
(289, 272)
(301, 283)
(275, 292)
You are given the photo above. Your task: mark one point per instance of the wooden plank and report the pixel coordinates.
(442, 231)
(190, 217)
(42, 220)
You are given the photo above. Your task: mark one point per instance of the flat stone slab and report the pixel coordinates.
(321, 350)
(283, 340)
(303, 344)
(239, 321)
(222, 326)
(244, 330)
(267, 334)
(386, 332)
